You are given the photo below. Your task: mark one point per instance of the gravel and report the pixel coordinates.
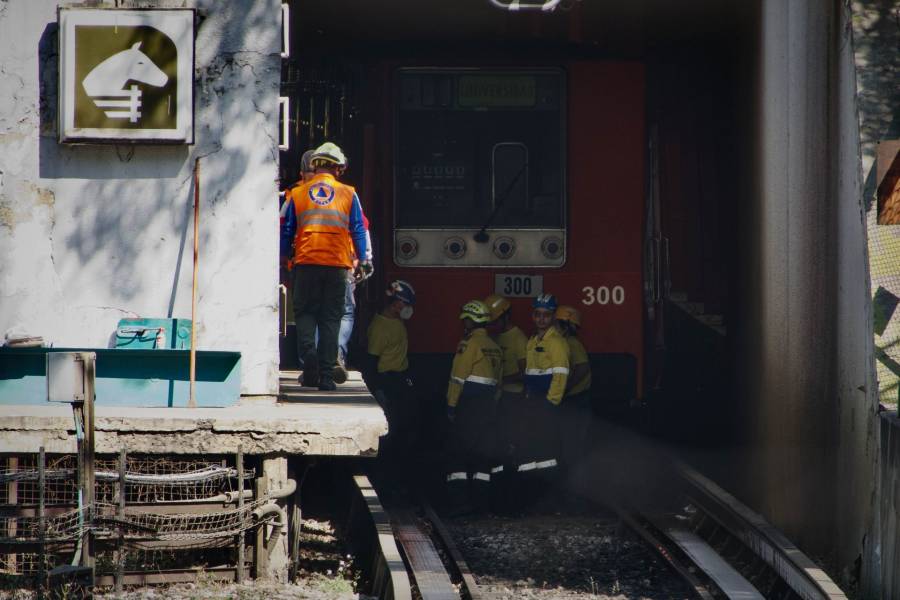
(559, 557)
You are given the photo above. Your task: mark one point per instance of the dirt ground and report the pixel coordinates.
(562, 557)
(316, 588)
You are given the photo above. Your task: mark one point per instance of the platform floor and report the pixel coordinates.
(347, 422)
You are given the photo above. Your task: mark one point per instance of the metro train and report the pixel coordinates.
(514, 180)
(489, 174)
(518, 181)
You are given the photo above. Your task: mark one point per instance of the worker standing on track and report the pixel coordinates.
(576, 406)
(471, 405)
(323, 217)
(546, 374)
(386, 370)
(512, 428)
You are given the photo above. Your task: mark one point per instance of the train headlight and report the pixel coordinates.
(552, 247)
(407, 248)
(504, 247)
(455, 247)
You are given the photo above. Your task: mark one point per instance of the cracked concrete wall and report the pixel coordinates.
(93, 233)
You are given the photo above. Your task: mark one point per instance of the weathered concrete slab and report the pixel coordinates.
(347, 422)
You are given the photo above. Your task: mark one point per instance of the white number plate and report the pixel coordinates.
(519, 286)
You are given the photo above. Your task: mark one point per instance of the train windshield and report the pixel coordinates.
(479, 146)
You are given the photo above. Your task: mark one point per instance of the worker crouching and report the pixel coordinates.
(471, 408)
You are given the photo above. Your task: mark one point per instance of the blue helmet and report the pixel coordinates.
(401, 290)
(547, 301)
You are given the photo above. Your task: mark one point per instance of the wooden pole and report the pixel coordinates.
(192, 400)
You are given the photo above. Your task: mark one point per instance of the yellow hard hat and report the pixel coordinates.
(570, 314)
(497, 304)
(476, 310)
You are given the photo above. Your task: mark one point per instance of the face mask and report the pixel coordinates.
(406, 312)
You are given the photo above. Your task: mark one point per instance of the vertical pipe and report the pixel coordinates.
(87, 473)
(12, 496)
(42, 523)
(192, 399)
(239, 461)
(120, 559)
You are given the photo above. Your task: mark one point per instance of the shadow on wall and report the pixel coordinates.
(127, 204)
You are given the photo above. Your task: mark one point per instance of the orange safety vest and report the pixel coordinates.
(323, 206)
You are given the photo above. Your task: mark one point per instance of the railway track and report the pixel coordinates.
(720, 547)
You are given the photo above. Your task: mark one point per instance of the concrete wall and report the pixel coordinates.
(91, 234)
(805, 370)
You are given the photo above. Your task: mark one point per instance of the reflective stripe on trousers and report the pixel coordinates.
(532, 466)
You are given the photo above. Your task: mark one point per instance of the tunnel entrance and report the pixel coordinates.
(341, 78)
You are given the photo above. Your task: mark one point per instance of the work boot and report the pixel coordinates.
(310, 377)
(327, 385)
(340, 371)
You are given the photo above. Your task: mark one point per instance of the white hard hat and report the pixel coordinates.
(328, 153)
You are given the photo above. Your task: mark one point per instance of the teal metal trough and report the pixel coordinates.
(132, 377)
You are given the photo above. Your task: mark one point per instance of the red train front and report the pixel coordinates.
(519, 180)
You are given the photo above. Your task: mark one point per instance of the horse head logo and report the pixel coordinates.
(108, 79)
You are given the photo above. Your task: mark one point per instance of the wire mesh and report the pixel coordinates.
(147, 480)
(64, 526)
(60, 486)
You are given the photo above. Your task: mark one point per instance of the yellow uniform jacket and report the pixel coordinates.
(547, 365)
(387, 341)
(477, 367)
(513, 343)
(578, 355)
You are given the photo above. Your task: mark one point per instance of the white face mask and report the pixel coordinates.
(406, 312)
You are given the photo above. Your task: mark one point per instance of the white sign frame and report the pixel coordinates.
(177, 24)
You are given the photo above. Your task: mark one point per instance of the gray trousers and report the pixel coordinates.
(319, 293)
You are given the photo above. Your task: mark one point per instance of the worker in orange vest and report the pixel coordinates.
(323, 218)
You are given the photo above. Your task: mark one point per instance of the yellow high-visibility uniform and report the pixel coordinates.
(512, 343)
(577, 356)
(547, 365)
(388, 341)
(477, 367)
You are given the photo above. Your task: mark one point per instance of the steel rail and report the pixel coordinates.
(425, 563)
(458, 562)
(389, 575)
(681, 565)
(798, 571)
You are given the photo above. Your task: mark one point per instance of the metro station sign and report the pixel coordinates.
(126, 75)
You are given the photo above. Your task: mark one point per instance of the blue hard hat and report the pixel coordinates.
(402, 290)
(547, 301)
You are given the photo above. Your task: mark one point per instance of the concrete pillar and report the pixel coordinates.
(272, 552)
(805, 349)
